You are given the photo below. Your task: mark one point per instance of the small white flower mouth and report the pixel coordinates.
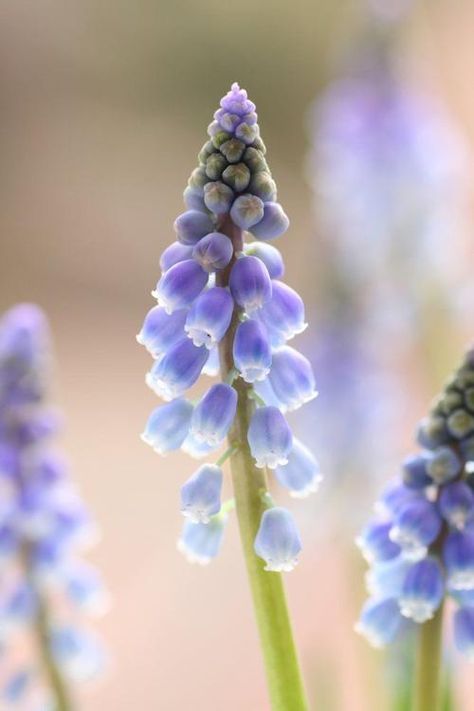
(200, 337)
(309, 489)
(297, 402)
(458, 519)
(192, 448)
(287, 334)
(281, 566)
(461, 580)
(368, 555)
(167, 391)
(209, 438)
(417, 610)
(254, 374)
(411, 547)
(165, 303)
(252, 306)
(196, 515)
(374, 639)
(270, 460)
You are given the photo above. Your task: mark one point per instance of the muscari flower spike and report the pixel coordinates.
(420, 545)
(44, 526)
(221, 291)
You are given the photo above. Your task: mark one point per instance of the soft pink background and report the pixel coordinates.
(104, 106)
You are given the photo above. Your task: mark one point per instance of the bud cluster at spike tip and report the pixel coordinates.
(420, 545)
(44, 525)
(232, 186)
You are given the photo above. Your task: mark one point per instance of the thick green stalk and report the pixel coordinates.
(279, 651)
(427, 690)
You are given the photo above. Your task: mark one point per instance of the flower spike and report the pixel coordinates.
(46, 588)
(221, 291)
(421, 545)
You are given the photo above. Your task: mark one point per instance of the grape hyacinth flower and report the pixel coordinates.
(227, 300)
(420, 545)
(44, 526)
(391, 176)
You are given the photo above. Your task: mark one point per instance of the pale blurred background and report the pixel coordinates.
(104, 107)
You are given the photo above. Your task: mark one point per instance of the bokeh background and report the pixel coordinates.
(104, 107)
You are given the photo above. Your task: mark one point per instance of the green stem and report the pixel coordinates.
(57, 684)
(279, 651)
(42, 627)
(427, 690)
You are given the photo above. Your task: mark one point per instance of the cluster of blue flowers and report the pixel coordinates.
(220, 292)
(420, 546)
(43, 525)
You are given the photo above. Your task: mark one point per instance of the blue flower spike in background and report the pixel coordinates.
(46, 587)
(221, 290)
(420, 546)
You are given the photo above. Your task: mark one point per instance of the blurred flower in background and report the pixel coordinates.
(389, 171)
(46, 589)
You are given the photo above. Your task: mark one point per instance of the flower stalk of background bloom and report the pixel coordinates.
(420, 546)
(221, 294)
(43, 524)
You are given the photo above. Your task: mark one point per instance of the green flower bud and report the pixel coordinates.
(205, 152)
(215, 164)
(448, 402)
(464, 378)
(220, 138)
(263, 185)
(233, 150)
(259, 145)
(469, 398)
(255, 160)
(197, 180)
(237, 176)
(460, 423)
